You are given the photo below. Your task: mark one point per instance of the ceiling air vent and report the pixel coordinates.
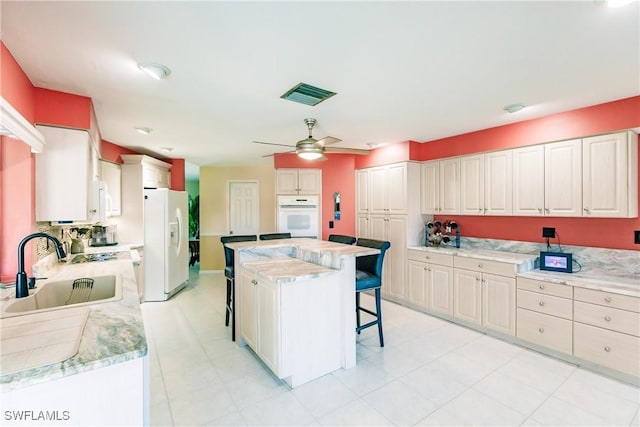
(307, 94)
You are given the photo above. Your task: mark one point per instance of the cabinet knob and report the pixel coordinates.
(477, 279)
(607, 318)
(479, 209)
(586, 210)
(541, 303)
(479, 265)
(541, 286)
(539, 210)
(546, 210)
(607, 299)
(253, 282)
(541, 330)
(607, 348)
(428, 269)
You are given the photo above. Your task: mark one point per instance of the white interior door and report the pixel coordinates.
(244, 207)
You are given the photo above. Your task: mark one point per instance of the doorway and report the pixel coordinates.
(244, 207)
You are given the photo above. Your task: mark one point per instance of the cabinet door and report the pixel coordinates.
(363, 229)
(449, 186)
(499, 303)
(498, 183)
(417, 292)
(362, 188)
(286, 181)
(472, 185)
(309, 181)
(440, 289)
(467, 295)
(563, 178)
(268, 324)
(395, 259)
(63, 175)
(112, 176)
(396, 188)
(528, 181)
(246, 286)
(378, 193)
(430, 177)
(605, 167)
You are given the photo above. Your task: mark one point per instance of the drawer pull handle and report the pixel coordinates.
(607, 318)
(607, 348)
(479, 265)
(541, 286)
(541, 303)
(607, 299)
(541, 330)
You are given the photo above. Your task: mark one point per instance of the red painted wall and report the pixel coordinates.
(111, 152)
(177, 174)
(17, 170)
(338, 175)
(393, 153)
(63, 109)
(603, 233)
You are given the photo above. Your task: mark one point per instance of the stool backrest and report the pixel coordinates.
(372, 263)
(339, 238)
(274, 236)
(228, 252)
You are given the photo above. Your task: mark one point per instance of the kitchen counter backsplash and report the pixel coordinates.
(597, 261)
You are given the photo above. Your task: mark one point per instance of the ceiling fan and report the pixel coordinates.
(312, 149)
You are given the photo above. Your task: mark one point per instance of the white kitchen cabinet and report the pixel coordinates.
(363, 228)
(563, 178)
(64, 176)
(112, 176)
(430, 278)
(485, 293)
(610, 175)
(131, 221)
(362, 191)
(418, 279)
(472, 185)
(498, 183)
(449, 190)
(392, 228)
(298, 181)
(430, 187)
(528, 181)
(388, 189)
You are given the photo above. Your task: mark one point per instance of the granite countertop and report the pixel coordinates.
(486, 254)
(286, 270)
(113, 333)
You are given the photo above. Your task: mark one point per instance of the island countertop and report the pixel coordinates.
(113, 332)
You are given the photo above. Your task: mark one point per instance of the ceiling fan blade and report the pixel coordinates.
(274, 154)
(327, 140)
(271, 143)
(346, 150)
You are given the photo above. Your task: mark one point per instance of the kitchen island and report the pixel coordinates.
(109, 362)
(295, 305)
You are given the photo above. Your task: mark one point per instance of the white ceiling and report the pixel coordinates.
(402, 70)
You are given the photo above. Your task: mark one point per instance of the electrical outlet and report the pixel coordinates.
(636, 237)
(548, 232)
(330, 224)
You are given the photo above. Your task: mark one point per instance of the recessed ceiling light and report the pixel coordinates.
(155, 70)
(143, 130)
(167, 149)
(513, 108)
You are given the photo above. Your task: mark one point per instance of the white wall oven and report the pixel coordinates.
(299, 215)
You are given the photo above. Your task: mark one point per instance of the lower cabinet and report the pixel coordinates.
(430, 281)
(467, 296)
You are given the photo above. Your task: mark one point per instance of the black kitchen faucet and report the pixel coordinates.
(22, 290)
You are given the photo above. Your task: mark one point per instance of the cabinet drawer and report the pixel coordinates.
(547, 304)
(607, 348)
(607, 317)
(493, 267)
(608, 299)
(542, 329)
(431, 257)
(549, 288)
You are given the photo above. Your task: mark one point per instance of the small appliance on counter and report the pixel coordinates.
(437, 233)
(103, 235)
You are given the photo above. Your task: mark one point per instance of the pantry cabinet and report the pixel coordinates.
(65, 173)
(298, 181)
(392, 228)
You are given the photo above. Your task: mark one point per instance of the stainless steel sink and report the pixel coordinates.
(61, 294)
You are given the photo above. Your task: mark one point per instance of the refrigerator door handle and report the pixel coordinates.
(179, 231)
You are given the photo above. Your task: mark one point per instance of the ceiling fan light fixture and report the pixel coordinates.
(309, 152)
(155, 70)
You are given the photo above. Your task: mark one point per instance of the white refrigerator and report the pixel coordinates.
(166, 243)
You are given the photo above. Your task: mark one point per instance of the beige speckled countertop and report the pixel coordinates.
(113, 333)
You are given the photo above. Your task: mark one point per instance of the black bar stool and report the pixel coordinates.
(340, 238)
(274, 236)
(369, 276)
(229, 274)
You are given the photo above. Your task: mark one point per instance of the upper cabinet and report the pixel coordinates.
(362, 191)
(150, 172)
(64, 176)
(112, 177)
(388, 185)
(298, 181)
(589, 177)
(610, 175)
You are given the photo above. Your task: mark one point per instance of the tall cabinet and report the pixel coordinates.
(388, 208)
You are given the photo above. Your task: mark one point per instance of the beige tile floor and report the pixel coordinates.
(430, 372)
